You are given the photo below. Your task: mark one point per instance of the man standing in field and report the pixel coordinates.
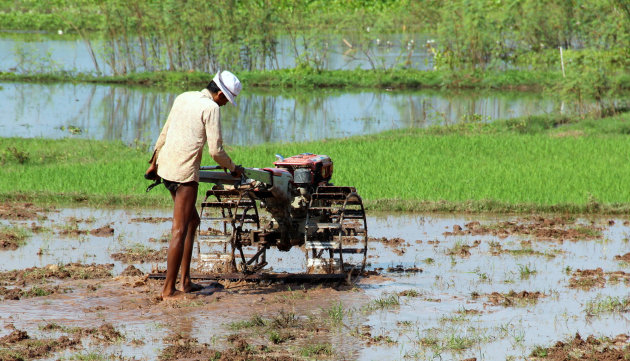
(194, 120)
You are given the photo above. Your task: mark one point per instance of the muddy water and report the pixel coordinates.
(446, 312)
(136, 115)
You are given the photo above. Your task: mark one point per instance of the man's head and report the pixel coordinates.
(224, 87)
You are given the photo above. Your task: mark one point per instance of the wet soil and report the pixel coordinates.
(462, 250)
(9, 240)
(623, 258)
(22, 211)
(153, 220)
(591, 278)
(140, 256)
(18, 345)
(17, 293)
(182, 348)
(601, 349)
(44, 274)
(467, 298)
(105, 231)
(557, 228)
(292, 316)
(396, 244)
(513, 298)
(132, 271)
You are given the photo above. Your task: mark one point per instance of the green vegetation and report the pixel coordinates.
(316, 349)
(509, 43)
(255, 321)
(536, 163)
(525, 271)
(335, 313)
(311, 78)
(383, 302)
(451, 338)
(12, 237)
(607, 304)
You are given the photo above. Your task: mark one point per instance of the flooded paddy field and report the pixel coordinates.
(136, 115)
(74, 285)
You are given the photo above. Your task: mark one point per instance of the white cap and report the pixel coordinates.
(229, 84)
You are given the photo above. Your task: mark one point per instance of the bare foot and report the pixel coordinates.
(177, 295)
(193, 287)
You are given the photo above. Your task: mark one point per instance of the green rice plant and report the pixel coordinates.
(510, 172)
(336, 313)
(526, 271)
(279, 337)
(283, 320)
(12, 154)
(409, 293)
(456, 342)
(483, 276)
(316, 349)
(293, 295)
(89, 356)
(255, 321)
(607, 304)
(36, 291)
(458, 317)
(540, 351)
(384, 302)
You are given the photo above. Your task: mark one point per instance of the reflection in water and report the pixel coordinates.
(28, 52)
(136, 115)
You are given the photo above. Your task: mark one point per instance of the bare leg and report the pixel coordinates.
(187, 285)
(184, 199)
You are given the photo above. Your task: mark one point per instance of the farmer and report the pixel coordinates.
(194, 120)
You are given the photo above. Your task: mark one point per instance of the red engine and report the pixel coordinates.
(307, 168)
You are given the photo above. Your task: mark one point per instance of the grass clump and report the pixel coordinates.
(255, 321)
(316, 349)
(526, 271)
(12, 237)
(383, 302)
(336, 313)
(607, 304)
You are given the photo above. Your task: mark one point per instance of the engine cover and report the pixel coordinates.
(320, 166)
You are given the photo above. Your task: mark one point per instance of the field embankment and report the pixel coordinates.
(520, 165)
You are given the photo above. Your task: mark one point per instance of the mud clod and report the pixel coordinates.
(559, 228)
(13, 337)
(131, 271)
(623, 258)
(150, 219)
(9, 241)
(513, 298)
(590, 278)
(21, 211)
(402, 269)
(105, 333)
(140, 255)
(104, 231)
(18, 345)
(70, 270)
(602, 349)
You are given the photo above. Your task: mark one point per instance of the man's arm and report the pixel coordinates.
(215, 140)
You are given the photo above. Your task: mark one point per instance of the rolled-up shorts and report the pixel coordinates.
(173, 186)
